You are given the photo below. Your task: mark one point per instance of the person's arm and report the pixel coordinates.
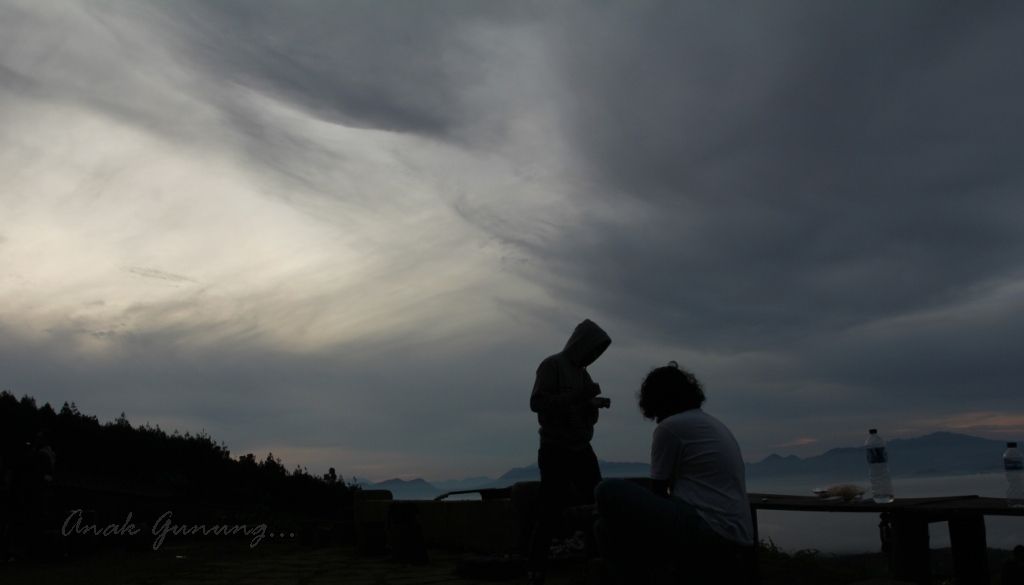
(546, 394)
(664, 451)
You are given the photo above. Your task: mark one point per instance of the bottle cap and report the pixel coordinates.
(1012, 444)
(873, 431)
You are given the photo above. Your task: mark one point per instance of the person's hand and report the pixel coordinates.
(598, 402)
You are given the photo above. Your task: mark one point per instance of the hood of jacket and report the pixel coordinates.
(587, 342)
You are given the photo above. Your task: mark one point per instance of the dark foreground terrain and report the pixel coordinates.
(290, 563)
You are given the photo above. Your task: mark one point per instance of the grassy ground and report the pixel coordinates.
(813, 567)
(208, 563)
(202, 564)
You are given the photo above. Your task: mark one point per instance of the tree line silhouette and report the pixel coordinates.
(54, 461)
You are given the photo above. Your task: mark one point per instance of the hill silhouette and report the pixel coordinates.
(413, 489)
(938, 453)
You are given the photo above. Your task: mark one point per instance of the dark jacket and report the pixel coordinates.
(563, 389)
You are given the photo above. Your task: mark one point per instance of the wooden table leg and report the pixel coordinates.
(910, 548)
(970, 549)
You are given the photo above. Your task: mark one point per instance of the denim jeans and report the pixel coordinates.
(642, 535)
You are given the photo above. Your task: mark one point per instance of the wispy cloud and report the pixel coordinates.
(382, 216)
(799, 442)
(1010, 424)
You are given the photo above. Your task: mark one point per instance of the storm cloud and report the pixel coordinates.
(348, 232)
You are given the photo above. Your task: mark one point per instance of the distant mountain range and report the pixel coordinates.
(935, 454)
(940, 453)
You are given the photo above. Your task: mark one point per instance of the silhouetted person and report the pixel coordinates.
(698, 498)
(566, 401)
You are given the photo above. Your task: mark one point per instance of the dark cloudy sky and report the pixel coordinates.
(347, 232)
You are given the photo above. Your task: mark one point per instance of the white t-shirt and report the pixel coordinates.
(701, 460)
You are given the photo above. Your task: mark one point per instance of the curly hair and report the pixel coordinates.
(669, 390)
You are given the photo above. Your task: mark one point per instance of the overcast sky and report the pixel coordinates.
(347, 232)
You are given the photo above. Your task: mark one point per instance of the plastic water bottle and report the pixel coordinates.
(1013, 463)
(878, 467)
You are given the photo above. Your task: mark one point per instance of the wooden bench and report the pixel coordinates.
(904, 529)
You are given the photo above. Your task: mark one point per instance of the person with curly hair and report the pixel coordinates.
(698, 493)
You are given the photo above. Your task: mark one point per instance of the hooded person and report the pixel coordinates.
(566, 400)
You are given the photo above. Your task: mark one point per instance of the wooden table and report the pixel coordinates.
(904, 529)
